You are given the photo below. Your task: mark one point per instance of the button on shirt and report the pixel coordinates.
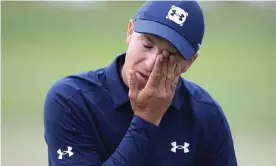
(89, 121)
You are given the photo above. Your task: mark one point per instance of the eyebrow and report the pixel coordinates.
(149, 38)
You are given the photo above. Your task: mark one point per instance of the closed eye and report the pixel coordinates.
(147, 46)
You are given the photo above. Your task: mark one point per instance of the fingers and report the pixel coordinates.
(177, 73)
(157, 72)
(164, 72)
(171, 72)
(133, 85)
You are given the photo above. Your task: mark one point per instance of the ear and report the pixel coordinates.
(129, 31)
(189, 63)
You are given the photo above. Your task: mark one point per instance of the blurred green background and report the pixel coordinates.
(44, 41)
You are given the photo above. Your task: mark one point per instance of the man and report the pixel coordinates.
(139, 111)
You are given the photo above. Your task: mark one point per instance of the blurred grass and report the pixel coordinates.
(44, 41)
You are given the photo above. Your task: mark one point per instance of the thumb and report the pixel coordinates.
(133, 85)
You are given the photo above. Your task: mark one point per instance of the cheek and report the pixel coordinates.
(184, 66)
(133, 59)
(181, 62)
(135, 55)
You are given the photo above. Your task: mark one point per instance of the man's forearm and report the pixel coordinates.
(135, 145)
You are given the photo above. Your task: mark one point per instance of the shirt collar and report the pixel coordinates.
(119, 91)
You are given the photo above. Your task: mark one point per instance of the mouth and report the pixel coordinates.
(144, 76)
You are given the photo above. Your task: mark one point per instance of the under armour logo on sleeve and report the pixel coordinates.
(62, 153)
(184, 147)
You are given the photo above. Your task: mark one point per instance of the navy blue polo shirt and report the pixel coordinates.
(89, 121)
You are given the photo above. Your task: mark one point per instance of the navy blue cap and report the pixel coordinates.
(179, 22)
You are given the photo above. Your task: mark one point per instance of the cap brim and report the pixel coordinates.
(161, 30)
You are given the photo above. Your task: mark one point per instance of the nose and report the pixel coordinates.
(151, 61)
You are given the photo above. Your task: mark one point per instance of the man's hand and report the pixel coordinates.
(152, 102)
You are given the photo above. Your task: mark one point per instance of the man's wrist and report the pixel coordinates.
(155, 120)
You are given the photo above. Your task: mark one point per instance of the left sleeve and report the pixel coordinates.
(217, 147)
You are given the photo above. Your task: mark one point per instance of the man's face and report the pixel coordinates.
(142, 51)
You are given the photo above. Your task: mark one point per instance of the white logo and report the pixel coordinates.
(175, 146)
(177, 15)
(199, 46)
(69, 152)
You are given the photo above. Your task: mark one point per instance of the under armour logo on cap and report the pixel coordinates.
(184, 147)
(62, 153)
(179, 22)
(177, 15)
